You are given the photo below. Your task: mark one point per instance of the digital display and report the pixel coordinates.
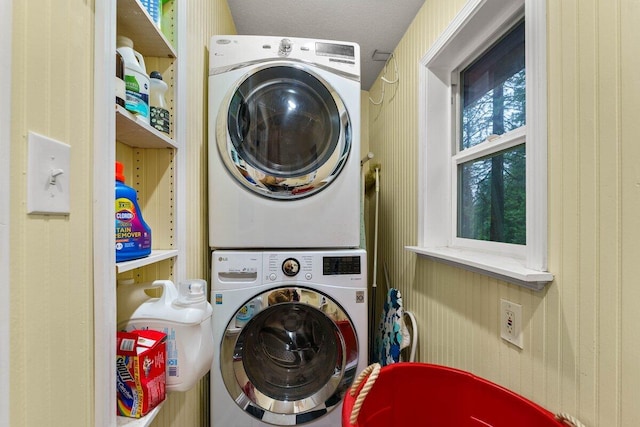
(333, 265)
(331, 49)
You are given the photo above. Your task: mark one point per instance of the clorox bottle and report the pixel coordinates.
(136, 80)
(184, 315)
(133, 235)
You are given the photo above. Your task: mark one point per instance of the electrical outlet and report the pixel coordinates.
(511, 322)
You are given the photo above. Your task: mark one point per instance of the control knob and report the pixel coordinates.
(285, 47)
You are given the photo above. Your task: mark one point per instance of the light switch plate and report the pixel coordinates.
(47, 175)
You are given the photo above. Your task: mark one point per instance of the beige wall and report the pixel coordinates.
(582, 341)
(51, 294)
(51, 357)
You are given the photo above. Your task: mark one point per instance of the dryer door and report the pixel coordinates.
(283, 132)
(294, 359)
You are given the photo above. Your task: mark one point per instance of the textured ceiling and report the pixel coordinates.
(373, 24)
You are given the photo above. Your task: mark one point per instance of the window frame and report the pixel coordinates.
(476, 27)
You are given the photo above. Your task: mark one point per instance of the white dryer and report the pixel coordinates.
(284, 143)
(290, 335)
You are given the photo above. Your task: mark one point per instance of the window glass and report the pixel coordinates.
(492, 189)
(491, 198)
(493, 90)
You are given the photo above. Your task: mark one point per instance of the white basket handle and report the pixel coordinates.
(374, 370)
(569, 420)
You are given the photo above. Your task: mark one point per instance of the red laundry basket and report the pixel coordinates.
(421, 394)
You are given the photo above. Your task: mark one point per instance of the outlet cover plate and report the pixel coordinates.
(511, 322)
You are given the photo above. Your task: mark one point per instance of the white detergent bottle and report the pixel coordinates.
(185, 316)
(136, 81)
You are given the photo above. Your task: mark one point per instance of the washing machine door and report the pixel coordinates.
(283, 132)
(295, 358)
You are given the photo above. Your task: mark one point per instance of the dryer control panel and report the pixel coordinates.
(228, 51)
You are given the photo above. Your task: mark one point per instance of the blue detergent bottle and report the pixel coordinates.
(133, 235)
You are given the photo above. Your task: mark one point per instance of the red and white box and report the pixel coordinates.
(141, 371)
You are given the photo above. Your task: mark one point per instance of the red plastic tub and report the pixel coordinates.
(421, 394)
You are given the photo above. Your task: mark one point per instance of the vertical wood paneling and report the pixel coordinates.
(607, 369)
(205, 18)
(6, 38)
(581, 342)
(51, 352)
(629, 202)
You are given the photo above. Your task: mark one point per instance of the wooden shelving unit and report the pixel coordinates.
(154, 166)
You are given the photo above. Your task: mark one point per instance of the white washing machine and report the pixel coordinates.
(284, 143)
(290, 335)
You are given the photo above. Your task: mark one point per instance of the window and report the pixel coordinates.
(483, 142)
(491, 191)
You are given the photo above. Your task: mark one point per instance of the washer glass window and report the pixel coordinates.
(297, 355)
(290, 351)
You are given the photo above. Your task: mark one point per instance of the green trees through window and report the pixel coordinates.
(491, 189)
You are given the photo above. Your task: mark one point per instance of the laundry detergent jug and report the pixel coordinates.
(184, 315)
(136, 80)
(132, 233)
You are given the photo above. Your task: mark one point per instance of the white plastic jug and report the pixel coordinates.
(185, 316)
(129, 297)
(135, 78)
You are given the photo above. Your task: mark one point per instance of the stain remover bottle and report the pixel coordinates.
(133, 235)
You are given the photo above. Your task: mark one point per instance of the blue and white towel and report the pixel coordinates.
(392, 335)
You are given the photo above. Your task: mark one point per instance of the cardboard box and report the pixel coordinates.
(141, 366)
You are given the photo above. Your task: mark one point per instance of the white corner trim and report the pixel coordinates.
(449, 33)
(104, 274)
(536, 180)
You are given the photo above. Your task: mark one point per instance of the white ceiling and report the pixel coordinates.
(373, 24)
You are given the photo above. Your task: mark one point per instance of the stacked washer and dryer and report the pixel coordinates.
(289, 288)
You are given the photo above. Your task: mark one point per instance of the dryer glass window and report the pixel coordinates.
(284, 122)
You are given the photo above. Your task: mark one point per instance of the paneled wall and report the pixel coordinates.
(51, 277)
(581, 335)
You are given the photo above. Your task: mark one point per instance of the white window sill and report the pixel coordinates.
(505, 268)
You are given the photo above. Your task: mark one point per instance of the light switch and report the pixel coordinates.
(47, 176)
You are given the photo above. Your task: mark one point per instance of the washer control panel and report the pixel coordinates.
(307, 266)
(290, 267)
(233, 269)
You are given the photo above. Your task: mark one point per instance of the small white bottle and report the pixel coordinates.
(159, 117)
